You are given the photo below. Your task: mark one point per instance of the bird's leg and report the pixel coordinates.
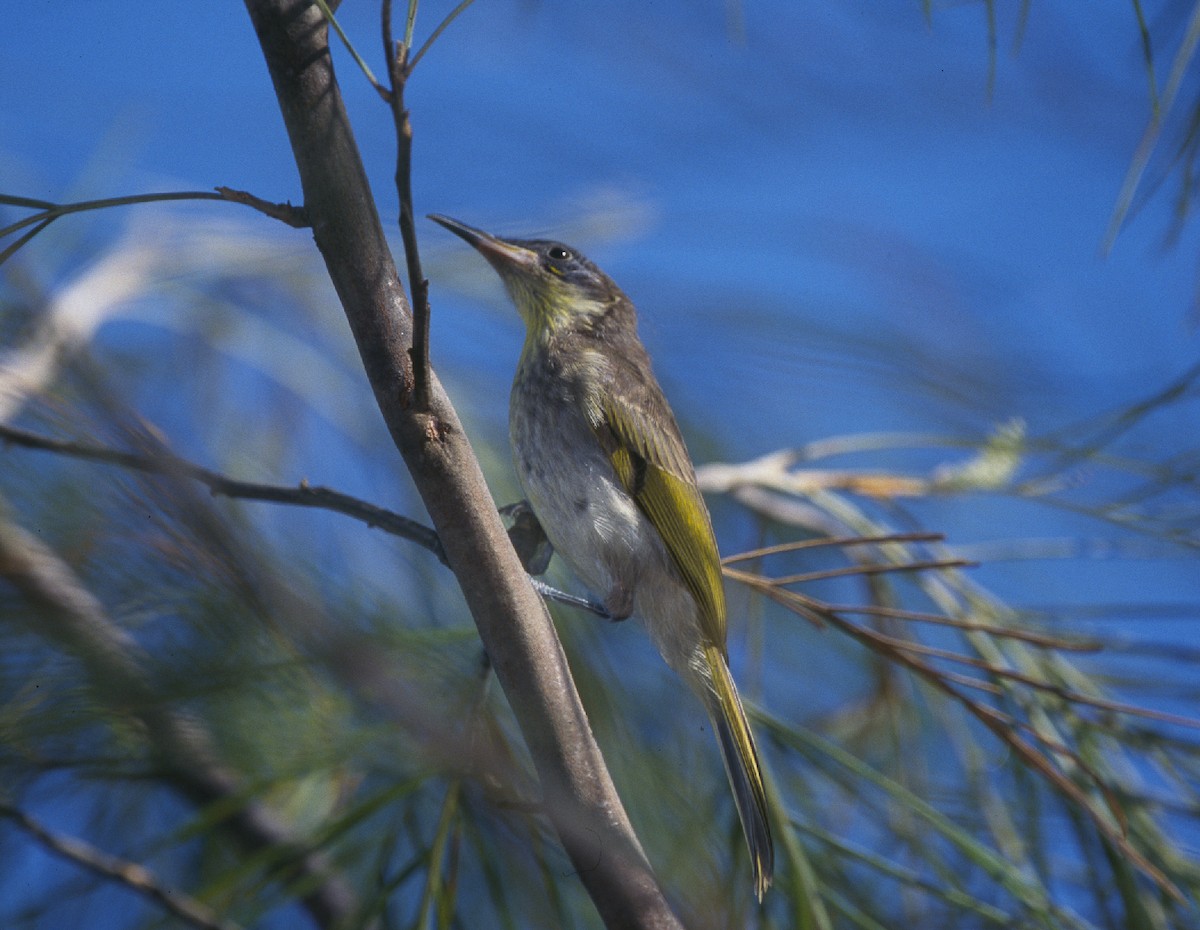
(551, 593)
(534, 550)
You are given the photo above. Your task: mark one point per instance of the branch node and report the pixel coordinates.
(296, 217)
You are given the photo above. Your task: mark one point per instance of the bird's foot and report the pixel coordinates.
(535, 550)
(571, 600)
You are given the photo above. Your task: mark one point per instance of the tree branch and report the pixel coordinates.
(525, 533)
(305, 495)
(48, 211)
(284, 212)
(132, 875)
(579, 796)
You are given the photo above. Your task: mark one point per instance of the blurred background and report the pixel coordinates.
(901, 240)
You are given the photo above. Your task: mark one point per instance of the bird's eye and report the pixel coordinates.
(559, 254)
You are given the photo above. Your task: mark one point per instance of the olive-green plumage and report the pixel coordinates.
(606, 471)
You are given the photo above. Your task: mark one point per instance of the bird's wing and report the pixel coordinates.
(656, 471)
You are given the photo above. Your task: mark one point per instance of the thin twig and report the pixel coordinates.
(398, 71)
(293, 216)
(998, 723)
(1001, 726)
(48, 211)
(131, 875)
(304, 495)
(296, 217)
(1059, 691)
(410, 25)
(870, 569)
(20, 243)
(839, 542)
(433, 36)
(1141, 157)
(358, 59)
(389, 44)
(975, 626)
(895, 642)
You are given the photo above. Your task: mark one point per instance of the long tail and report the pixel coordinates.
(741, 765)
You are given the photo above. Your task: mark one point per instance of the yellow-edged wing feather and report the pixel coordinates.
(658, 474)
(660, 477)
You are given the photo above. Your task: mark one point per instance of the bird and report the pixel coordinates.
(603, 465)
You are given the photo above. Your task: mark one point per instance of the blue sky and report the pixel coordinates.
(842, 165)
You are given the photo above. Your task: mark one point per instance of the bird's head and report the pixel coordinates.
(552, 285)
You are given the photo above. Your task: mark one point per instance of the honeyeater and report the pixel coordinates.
(605, 469)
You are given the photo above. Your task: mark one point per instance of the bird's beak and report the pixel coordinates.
(505, 257)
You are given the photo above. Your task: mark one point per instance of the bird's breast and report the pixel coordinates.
(589, 518)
